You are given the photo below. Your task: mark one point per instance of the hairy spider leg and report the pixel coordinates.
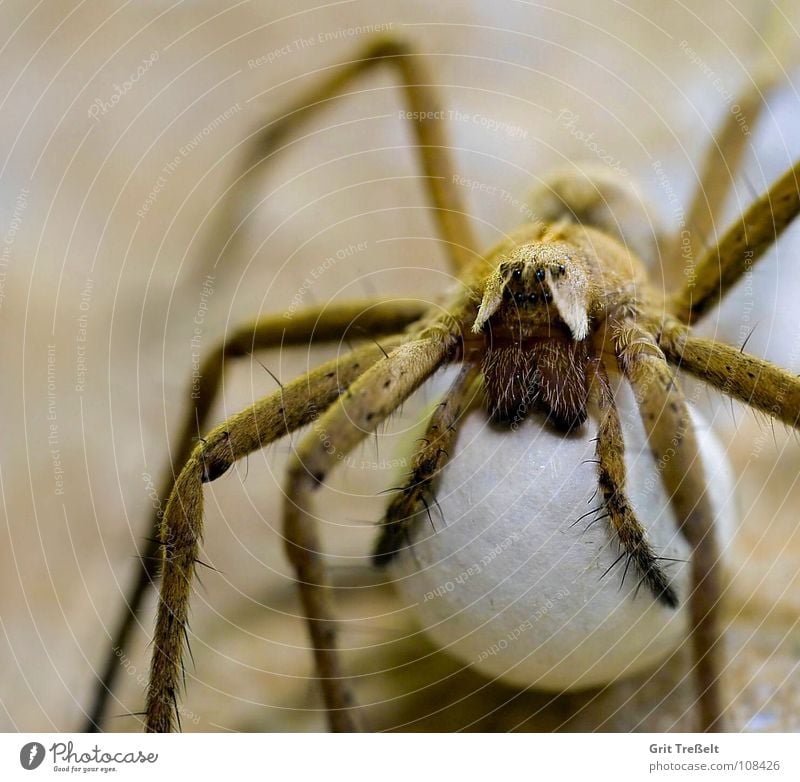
(719, 167)
(754, 381)
(742, 244)
(426, 119)
(671, 434)
(368, 402)
(296, 404)
(429, 459)
(318, 325)
(610, 451)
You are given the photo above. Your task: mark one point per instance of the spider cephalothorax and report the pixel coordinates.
(538, 323)
(535, 316)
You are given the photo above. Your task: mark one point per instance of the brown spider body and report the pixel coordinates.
(534, 323)
(549, 297)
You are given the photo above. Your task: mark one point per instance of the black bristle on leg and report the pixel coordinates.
(394, 537)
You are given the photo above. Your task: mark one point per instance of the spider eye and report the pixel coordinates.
(540, 274)
(548, 297)
(519, 298)
(561, 268)
(516, 274)
(532, 298)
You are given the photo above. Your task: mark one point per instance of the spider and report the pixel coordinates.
(537, 323)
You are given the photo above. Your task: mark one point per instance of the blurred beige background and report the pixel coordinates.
(97, 305)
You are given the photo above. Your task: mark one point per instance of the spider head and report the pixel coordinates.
(538, 284)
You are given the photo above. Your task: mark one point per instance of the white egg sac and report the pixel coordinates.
(513, 584)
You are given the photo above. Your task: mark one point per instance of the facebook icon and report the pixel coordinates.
(31, 755)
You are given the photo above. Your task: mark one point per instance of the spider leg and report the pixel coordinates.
(370, 400)
(432, 144)
(610, 450)
(750, 236)
(719, 168)
(751, 380)
(724, 155)
(296, 404)
(666, 420)
(319, 325)
(429, 459)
